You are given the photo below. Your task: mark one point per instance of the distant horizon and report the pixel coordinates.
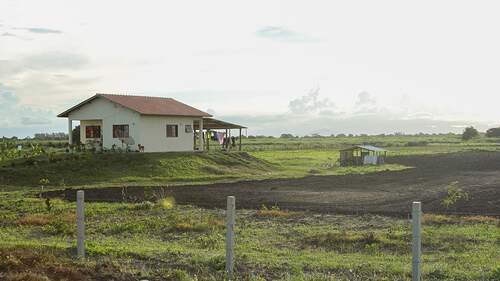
(312, 135)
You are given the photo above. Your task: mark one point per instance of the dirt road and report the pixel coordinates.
(477, 173)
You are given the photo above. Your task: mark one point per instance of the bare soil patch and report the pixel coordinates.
(390, 193)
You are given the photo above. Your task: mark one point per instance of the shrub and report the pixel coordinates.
(453, 195)
(493, 132)
(469, 133)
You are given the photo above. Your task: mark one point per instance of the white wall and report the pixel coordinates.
(110, 114)
(154, 134)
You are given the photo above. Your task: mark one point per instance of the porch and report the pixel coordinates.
(217, 132)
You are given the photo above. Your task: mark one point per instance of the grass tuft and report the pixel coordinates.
(275, 212)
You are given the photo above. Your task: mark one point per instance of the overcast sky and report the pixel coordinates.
(277, 66)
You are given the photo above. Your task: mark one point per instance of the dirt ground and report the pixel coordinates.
(389, 193)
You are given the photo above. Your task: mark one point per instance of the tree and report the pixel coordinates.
(469, 133)
(493, 132)
(286, 136)
(76, 135)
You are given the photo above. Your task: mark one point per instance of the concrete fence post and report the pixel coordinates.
(230, 221)
(80, 224)
(416, 241)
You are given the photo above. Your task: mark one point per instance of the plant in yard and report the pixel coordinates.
(454, 194)
(48, 205)
(168, 202)
(43, 182)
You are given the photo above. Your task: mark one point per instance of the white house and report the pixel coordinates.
(154, 123)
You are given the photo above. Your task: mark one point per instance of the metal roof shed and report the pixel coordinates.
(359, 155)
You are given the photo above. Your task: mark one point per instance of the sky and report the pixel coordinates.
(299, 67)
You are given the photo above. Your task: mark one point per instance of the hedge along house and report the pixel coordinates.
(149, 124)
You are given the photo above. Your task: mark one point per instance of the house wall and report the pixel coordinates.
(154, 134)
(109, 114)
(83, 124)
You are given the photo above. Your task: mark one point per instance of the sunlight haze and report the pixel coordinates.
(297, 67)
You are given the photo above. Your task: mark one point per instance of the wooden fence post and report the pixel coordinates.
(80, 224)
(231, 206)
(416, 241)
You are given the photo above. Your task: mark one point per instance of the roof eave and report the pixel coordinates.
(67, 112)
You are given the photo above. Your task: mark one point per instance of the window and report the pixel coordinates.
(120, 131)
(188, 128)
(92, 132)
(172, 131)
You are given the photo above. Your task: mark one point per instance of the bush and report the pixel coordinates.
(454, 195)
(493, 132)
(469, 133)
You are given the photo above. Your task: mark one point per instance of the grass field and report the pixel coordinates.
(187, 243)
(118, 169)
(264, 158)
(159, 240)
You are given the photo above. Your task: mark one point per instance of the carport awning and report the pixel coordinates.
(214, 124)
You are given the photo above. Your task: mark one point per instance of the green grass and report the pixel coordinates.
(150, 241)
(264, 158)
(131, 168)
(153, 241)
(414, 144)
(118, 169)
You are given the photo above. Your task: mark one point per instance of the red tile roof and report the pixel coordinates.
(147, 105)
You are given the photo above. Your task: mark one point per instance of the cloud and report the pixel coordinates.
(55, 61)
(366, 104)
(364, 98)
(40, 30)
(210, 111)
(279, 33)
(328, 125)
(7, 34)
(46, 61)
(310, 103)
(14, 114)
(7, 98)
(311, 114)
(34, 121)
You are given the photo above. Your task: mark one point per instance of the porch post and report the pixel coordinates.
(240, 139)
(202, 143)
(70, 131)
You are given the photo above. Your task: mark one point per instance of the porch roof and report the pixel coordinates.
(213, 124)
